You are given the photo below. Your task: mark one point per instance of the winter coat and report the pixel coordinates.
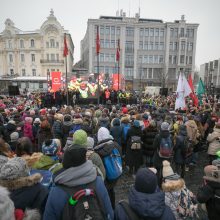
(147, 206)
(116, 130)
(179, 148)
(44, 163)
(35, 128)
(43, 134)
(192, 131)
(172, 191)
(28, 131)
(58, 197)
(67, 127)
(57, 130)
(27, 192)
(157, 159)
(148, 137)
(9, 128)
(133, 157)
(214, 141)
(32, 159)
(210, 195)
(125, 128)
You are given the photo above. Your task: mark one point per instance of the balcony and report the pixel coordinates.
(52, 61)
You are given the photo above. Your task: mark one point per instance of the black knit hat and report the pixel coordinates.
(146, 181)
(74, 157)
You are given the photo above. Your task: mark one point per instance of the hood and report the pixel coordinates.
(173, 185)
(164, 134)
(21, 182)
(44, 163)
(75, 176)
(147, 205)
(68, 123)
(77, 121)
(116, 122)
(103, 134)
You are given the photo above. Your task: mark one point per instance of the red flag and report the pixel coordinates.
(192, 94)
(65, 50)
(118, 51)
(97, 41)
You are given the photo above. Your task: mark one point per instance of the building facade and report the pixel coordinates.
(28, 57)
(210, 74)
(152, 52)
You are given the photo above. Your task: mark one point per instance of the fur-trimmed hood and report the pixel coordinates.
(21, 182)
(77, 121)
(173, 185)
(31, 160)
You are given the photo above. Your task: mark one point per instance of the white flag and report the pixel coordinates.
(183, 90)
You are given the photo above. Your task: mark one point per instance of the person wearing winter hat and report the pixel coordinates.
(14, 138)
(76, 172)
(67, 125)
(174, 187)
(9, 128)
(95, 158)
(57, 126)
(28, 128)
(161, 142)
(210, 191)
(145, 199)
(104, 148)
(26, 191)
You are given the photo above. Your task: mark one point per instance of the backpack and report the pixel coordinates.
(187, 205)
(128, 210)
(136, 143)
(83, 203)
(113, 165)
(166, 148)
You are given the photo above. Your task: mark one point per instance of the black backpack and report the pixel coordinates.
(136, 143)
(83, 203)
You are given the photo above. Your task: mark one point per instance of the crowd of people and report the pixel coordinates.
(64, 162)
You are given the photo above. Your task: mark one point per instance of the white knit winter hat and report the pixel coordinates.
(167, 169)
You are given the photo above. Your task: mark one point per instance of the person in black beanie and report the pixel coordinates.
(76, 171)
(145, 199)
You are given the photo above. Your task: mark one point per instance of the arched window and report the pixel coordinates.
(32, 43)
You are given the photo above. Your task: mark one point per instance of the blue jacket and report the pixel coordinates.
(58, 198)
(147, 206)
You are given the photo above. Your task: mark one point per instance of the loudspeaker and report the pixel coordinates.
(164, 91)
(13, 90)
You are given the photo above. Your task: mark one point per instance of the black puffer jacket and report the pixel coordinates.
(148, 137)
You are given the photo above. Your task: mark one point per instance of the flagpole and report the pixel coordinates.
(67, 93)
(97, 53)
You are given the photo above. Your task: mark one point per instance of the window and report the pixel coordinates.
(52, 43)
(129, 59)
(112, 30)
(186, 59)
(106, 69)
(106, 57)
(140, 58)
(170, 59)
(157, 73)
(34, 72)
(21, 43)
(183, 45)
(150, 73)
(129, 46)
(161, 46)
(118, 31)
(182, 59)
(52, 56)
(22, 57)
(141, 45)
(176, 32)
(107, 43)
(141, 32)
(157, 32)
(175, 46)
(112, 58)
(151, 32)
(146, 32)
(47, 44)
(150, 59)
(23, 72)
(171, 32)
(151, 45)
(57, 44)
(171, 45)
(156, 46)
(9, 44)
(190, 59)
(57, 56)
(146, 47)
(41, 86)
(129, 72)
(156, 59)
(12, 72)
(33, 57)
(107, 30)
(191, 33)
(174, 59)
(162, 32)
(27, 85)
(145, 59)
(129, 31)
(10, 58)
(101, 30)
(182, 32)
(102, 45)
(161, 60)
(190, 48)
(48, 56)
(112, 44)
(32, 43)
(101, 57)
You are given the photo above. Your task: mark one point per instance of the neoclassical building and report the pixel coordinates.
(27, 57)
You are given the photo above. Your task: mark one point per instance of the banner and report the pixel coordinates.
(56, 81)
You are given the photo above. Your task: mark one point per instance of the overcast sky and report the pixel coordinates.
(73, 15)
